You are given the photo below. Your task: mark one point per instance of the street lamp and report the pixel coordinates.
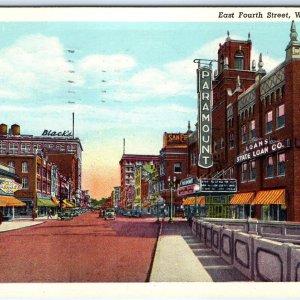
(172, 185)
(196, 190)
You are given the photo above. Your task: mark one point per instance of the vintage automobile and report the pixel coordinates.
(109, 214)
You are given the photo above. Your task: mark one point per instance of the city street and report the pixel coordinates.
(84, 249)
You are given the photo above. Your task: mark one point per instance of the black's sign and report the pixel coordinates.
(218, 186)
(57, 133)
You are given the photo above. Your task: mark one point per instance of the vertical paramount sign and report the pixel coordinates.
(204, 116)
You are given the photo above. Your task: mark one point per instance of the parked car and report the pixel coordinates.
(136, 213)
(109, 214)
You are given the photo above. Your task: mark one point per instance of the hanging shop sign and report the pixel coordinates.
(64, 133)
(188, 186)
(204, 117)
(218, 186)
(9, 186)
(260, 148)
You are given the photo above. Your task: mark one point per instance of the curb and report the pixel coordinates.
(154, 252)
(11, 229)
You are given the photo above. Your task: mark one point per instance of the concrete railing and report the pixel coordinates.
(277, 231)
(258, 258)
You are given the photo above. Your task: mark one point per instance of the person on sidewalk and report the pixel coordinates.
(49, 213)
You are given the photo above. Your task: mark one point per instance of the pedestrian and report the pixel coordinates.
(1, 215)
(49, 213)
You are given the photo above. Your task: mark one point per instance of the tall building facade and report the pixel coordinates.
(128, 164)
(256, 133)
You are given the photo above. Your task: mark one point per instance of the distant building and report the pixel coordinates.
(128, 164)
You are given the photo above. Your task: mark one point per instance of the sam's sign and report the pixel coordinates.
(204, 117)
(260, 148)
(47, 132)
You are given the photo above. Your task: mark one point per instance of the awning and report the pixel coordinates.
(191, 200)
(55, 201)
(146, 204)
(270, 197)
(10, 201)
(45, 203)
(67, 204)
(242, 199)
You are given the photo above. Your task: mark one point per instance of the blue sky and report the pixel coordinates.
(122, 80)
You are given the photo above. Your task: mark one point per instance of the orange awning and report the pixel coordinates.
(146, 204)
(242, 199)
(10, 201)
(191, 200)
(55, 201)
(270, 197)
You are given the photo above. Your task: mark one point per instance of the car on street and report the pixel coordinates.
(109, 214)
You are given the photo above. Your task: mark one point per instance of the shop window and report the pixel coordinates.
(239, 60)
(177, 167)
(244, 171)
(252, 170)
(269, 119)
(244, 134)
(231, 140)
(280, 116)
(281, 164)
(24, 167)
(270, 167)
(25, 184)
(252, 133)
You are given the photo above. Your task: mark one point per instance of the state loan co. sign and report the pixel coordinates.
(204, 117)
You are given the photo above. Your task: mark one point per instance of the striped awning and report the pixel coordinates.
(270, 197)
(191, 200)
(242, 199)
(10, 201)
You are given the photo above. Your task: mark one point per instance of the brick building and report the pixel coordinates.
(63, 151)
(173, 165)
(256, 133)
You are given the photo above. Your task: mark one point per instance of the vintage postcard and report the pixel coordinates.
(149, 152)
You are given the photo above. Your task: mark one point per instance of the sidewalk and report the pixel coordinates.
(180, 257)
(23, 222)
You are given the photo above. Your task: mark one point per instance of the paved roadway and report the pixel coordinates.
(85, 249)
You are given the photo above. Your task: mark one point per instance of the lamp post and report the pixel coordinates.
(172, 185)
(196, 190)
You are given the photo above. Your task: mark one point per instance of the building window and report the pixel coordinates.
(38, 185)
(44, 187)
(44, 172)
(3, 148)
(12, 164)
(215, 146)
(244, 171)
(231, 140)
(222, 63)
(239, 60)
(244, 134)
(25, 148)
(269, 119)
(270, 167)
(252, 170)
(25, 183)
(281, 164)
(24, 167)
(280, 116)
(222, 143)
(252, 133)
(13, 148)
(177, 167)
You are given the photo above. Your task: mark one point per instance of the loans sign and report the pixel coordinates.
(260, 148)
(204, 117)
